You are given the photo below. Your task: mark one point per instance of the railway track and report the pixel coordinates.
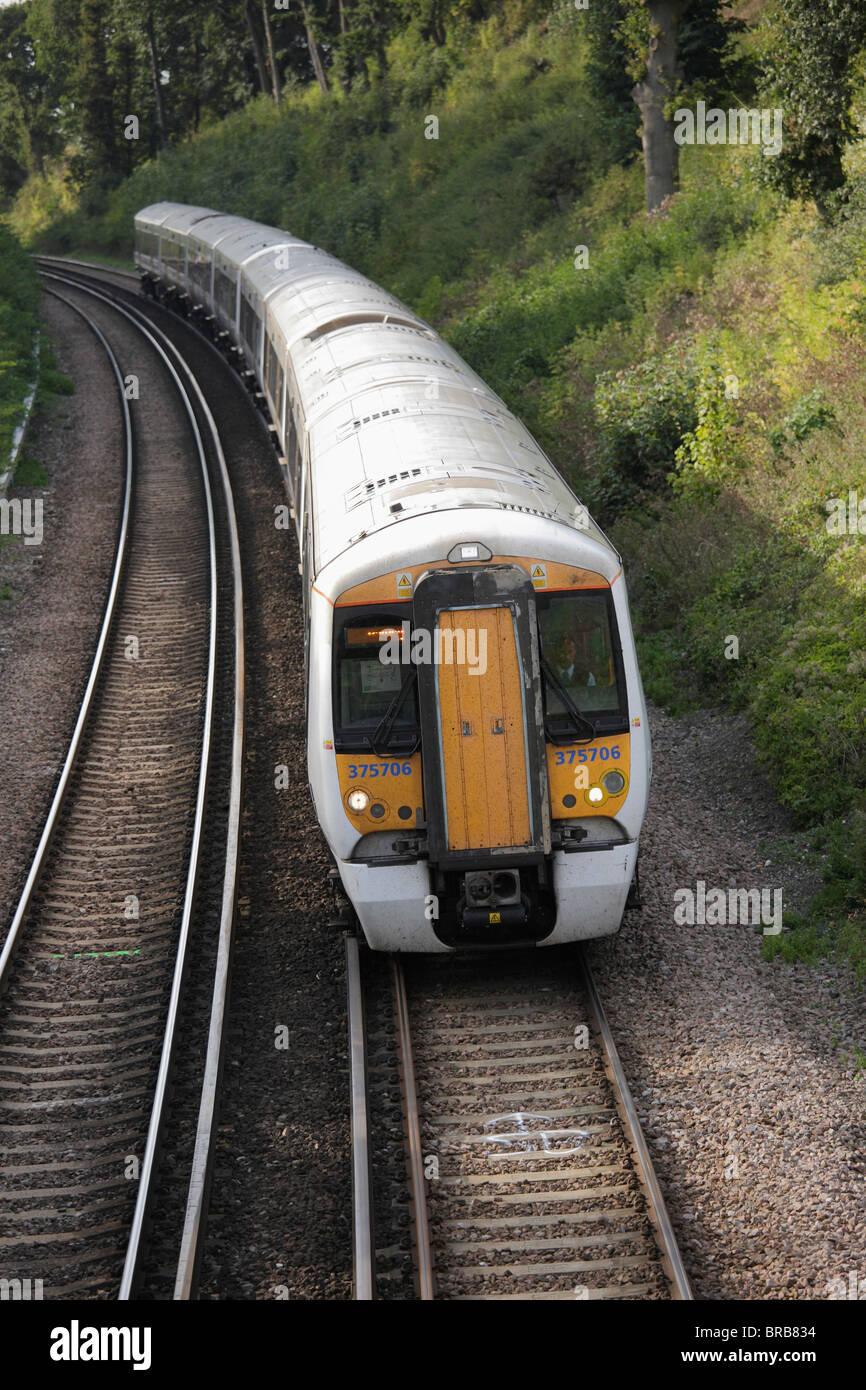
(114, 970)
(496, 1086)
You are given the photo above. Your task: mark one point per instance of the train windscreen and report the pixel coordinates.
(581, 652)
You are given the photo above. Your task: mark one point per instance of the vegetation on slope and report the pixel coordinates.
(696, 374)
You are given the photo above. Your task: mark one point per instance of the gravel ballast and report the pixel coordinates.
(754, 1117)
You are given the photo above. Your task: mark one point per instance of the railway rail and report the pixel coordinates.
(119, 948)
(528, 1175)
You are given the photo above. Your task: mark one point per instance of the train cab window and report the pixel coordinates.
(375, 696)
(582, 661)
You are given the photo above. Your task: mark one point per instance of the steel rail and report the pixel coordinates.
(89, 265)
(196, 1208)
(50, 826)
(195, 1213)
(363, 1248)
(423, 1245)
(657, 1211)
(148, 1164)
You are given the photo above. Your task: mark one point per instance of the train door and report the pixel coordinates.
(479, 685)
(483, 729)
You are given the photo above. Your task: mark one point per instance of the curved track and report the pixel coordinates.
(528, 1175)
(124, 925)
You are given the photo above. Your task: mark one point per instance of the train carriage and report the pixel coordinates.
(478, 748)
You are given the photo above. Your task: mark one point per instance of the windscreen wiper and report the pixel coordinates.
(571, 710)
(386, 724)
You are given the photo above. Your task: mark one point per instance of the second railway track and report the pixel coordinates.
(497, 1083)
(119, 946)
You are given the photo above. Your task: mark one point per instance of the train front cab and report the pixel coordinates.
(482, 732)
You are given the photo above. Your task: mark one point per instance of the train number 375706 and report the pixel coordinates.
(380, 769)
(588, 755)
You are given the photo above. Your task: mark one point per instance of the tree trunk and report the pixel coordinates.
(154, 73)
(250, 16)
(660, 150)
(342, 12)
(272, 62)
(315, 55)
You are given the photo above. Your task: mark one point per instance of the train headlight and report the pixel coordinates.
(613, 783)
(358, 800)
(595, 795)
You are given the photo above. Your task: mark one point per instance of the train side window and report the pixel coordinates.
(293, 454)
(249, 323)
(580, 646)
(278, 398)
(224, 292)
(272, 366)
(365, 686)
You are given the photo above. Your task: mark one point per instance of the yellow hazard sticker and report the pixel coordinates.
(494, 918)
(404, 586)
(538, 575)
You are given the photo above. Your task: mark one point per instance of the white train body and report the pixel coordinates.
(478, 745)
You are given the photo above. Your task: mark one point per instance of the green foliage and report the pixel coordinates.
(19, 301)
(810, 72)
(643, 412)
(709, 453)
(812, 412)
(29, 473)
(608, 72)
(664, 672)
(556, 322)
(808, 704)
(835, 922)
(28, 96)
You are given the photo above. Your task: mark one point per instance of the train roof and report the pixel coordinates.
(399, 425)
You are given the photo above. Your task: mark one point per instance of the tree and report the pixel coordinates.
(313, 46)
(810, 73)
(95, 92)
(653, 95)
(28, 93)
(273, 68)
(666, 48)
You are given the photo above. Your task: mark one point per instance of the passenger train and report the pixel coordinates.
(478, 748)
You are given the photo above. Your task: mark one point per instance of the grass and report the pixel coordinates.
(19, 308)
(29, 473)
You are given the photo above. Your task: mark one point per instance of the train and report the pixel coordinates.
(478, 749)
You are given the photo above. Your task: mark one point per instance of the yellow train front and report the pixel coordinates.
(479, 752)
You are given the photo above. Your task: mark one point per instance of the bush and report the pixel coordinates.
(643, 413)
